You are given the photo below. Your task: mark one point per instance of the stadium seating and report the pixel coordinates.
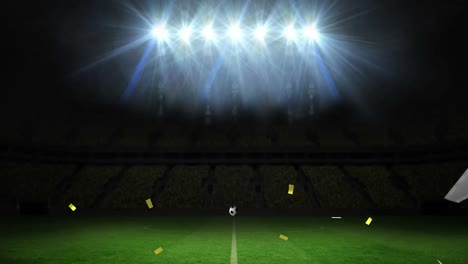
(233, 186)
(332, 190)
(184, 188)
(380, 187)
(31, 182)
(276, 180)
(134, 188)
(431, 182)
(88, 185)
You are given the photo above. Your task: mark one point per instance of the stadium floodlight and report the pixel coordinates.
(185, 34)
(260, 33)
(311, 32)
(208, 32)
(160, 33)
(235, 33)
(289, 32)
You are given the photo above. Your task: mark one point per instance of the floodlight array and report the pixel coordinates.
(235, 33)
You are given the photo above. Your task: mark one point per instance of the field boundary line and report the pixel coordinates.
(234, 244)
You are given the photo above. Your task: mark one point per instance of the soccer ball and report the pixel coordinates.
(233, 211)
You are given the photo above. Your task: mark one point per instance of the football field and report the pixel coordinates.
(133, 240)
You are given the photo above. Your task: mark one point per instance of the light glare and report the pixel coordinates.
(208, 32)
(260, 33)
(311, 32)
(290, 32)
(185, 34)
(235, 33)
(160, 33)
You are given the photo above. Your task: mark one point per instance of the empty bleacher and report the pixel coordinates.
(431, 182)
(136, 186)
(31, 182)
(332, 190)
(276, 180)
(234, 185)
(88, 185)
(184, 188)
(379, 186)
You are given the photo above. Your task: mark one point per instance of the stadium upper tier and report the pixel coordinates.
(146, 135)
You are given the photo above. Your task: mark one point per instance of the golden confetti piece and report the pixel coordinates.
(291, 189)
(158, 250)
(369, 220)
(72, 207)
(283, 237)
(149, 203)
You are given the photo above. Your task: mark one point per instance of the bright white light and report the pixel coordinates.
(311, 32)
(185, 34)
(160, 33)
(208, 33)
(289, 32)
(235, 33)
(260, 33)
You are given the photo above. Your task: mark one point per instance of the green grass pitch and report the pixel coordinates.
(132, 240)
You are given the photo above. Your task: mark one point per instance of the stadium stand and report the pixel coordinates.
(276, 180)
(332, 190)
(378, 184)
(136, 186)
(31, 182)
(89, 184)
(184, 188)
(431, 182)
(233, 185)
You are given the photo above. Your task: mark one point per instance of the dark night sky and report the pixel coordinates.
(425, 43)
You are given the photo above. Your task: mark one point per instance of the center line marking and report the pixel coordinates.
(234, 244)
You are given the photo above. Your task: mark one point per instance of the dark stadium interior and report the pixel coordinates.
(394, 143)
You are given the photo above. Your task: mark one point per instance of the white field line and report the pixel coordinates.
(234, 244)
